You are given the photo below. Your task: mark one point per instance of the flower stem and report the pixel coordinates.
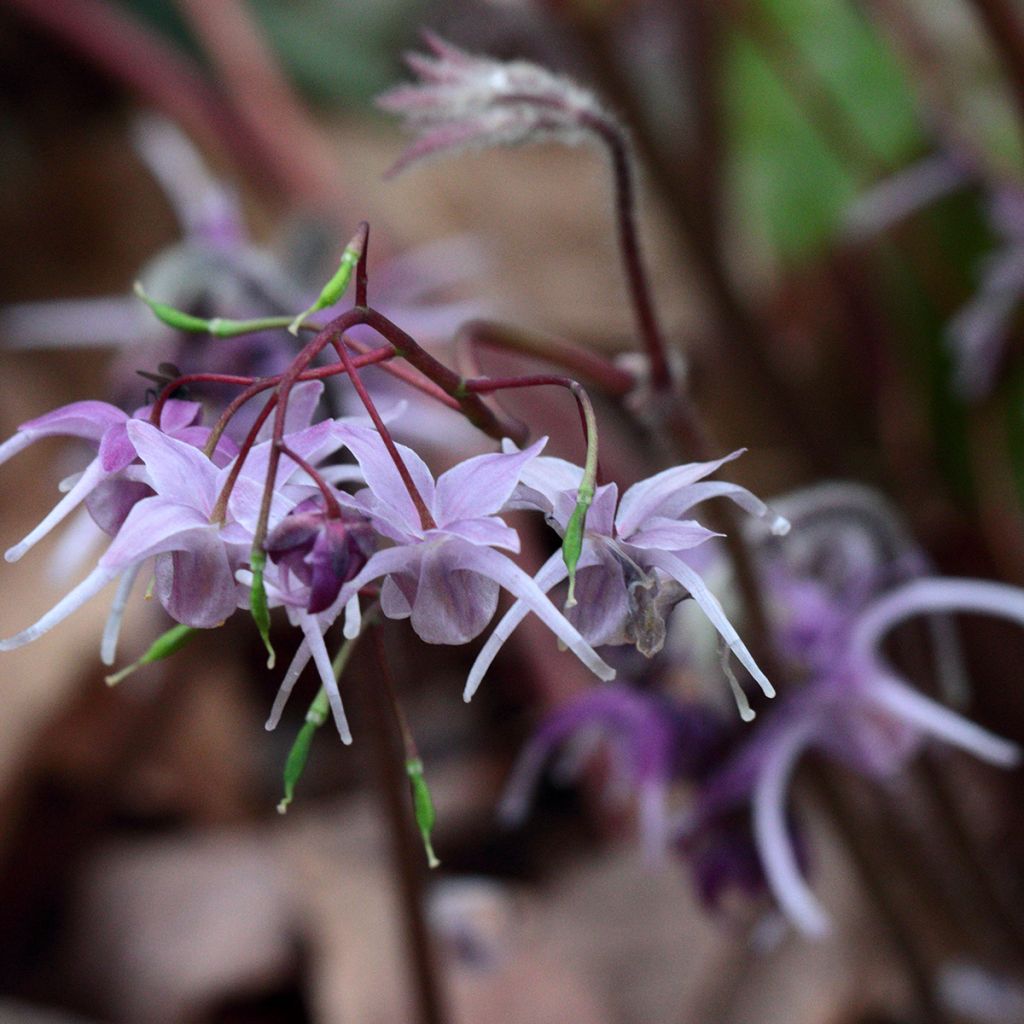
(390, 730)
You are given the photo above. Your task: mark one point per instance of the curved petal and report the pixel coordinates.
(83, 487)
(660, 494)
(89, 420)
(774, 844)
(552, 572)
(112, 629)
(917, 710)
(89, 587)
(507, 574)
(709, 604)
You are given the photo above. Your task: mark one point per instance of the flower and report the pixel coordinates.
(653, 741)
(321, 551)
(632, 569)
(105, 427)
(465, 101)
(171, 516)
(444, 576)
(854, 708)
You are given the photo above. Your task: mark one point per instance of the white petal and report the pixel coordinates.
(86, 482)
(551, 572)
(931, 717)
(322, 660)
(771, 834)
(709, 604)
(112, 630)
(89, 587)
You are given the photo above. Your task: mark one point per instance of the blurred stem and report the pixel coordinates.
(136, 57)
(1004, 26)
(261, 94)
(390, 739)
(738, 327)
(875, 878)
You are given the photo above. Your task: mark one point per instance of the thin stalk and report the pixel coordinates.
(125, 50)
(1004, 26)
(612, 379)
(391, 735)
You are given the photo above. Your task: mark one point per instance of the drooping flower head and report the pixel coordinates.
(634, 565)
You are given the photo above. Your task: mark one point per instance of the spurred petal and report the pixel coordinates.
(85, 485)
(507, 574)
(480, 486)
(709, 604)
(552, 572)
(452, 605)
(662, 493)
(315, 640)
(913, 708)
(774, 844)
(89, 587)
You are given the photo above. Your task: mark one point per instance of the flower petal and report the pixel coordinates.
(659, 494)
(507, 574)
(383, 478)
(177, 470)
(774, 844)
(670, 534)
(452, 604)
(480, 486)
(322, 660)
(709, 604)
(89, 587)
(552, 572)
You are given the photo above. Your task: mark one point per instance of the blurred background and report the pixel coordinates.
(833, 212)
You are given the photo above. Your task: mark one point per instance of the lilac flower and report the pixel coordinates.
(195, 559)
(464, 101)
(105, 427)
(321, 551)
(854, 709)
(632, 570)
(653, 742)
(444, 577)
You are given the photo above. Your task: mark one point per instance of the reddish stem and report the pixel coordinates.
(131, 54)
(612, 379)
(333, 508)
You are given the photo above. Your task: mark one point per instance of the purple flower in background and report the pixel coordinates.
(445, 578)
(632, 570)
(643, 733)
(854, 708)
